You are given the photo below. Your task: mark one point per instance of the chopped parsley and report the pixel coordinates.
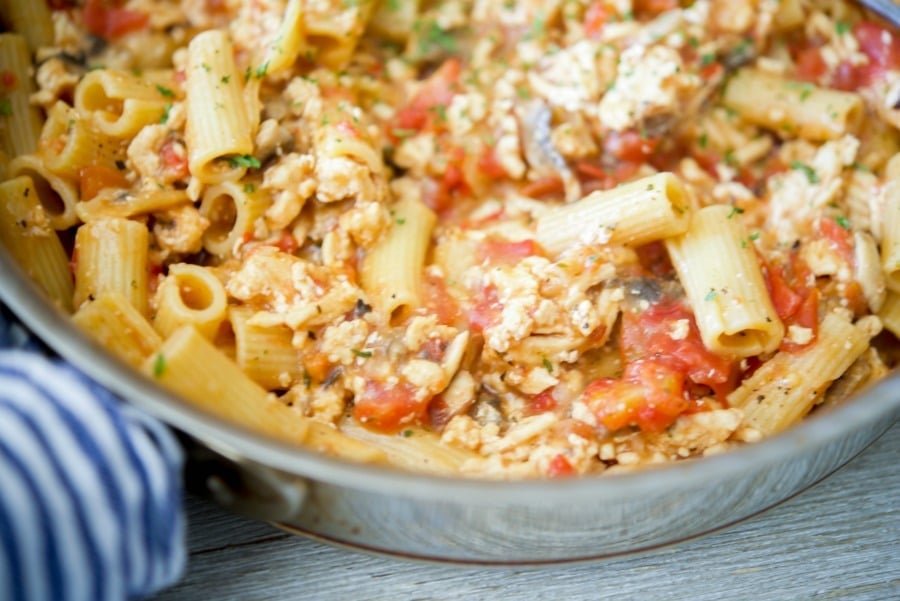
(434, 37)
(159, 365)
(407, 433)
(842, 27)
(243, 160)
(261, 70)
(547, 365)
(164, 91)
(165, 116)
(710, 295)
(754, 236)
(843, 222)
(249, 188)
(808, 171)
(362, 354)
(6, 109)
(735, 211)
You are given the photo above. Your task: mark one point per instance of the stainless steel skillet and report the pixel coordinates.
(462, 520)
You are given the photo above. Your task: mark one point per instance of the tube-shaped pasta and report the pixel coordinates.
(68, 143)
(218, 132)
(58, 195)
(26, 232)
(20, 122)
(340, 133)
(145, 200)
(392, 270)
(786, 387)
(335, 30)
(119, 103)
(289, 41)
(232, 209)
(190, 294)
(635, 213)
(265, 353)
(327, 439)
(793, 108)
(890, 235)
(417, 450)
(724, 284)
(890, 313)
(189, 365)
(112, 257)
(30, 19)
(112, 320)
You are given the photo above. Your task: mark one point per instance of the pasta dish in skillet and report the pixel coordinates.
(485, 237)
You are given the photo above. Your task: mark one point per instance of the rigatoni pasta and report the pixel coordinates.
(497, 239)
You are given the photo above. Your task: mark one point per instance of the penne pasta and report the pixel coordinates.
(68, 144)
(651, 208)
(232, 209)
(786, 387)
(334, 29)
(112, 257)
(265, 353)
(189, 365)
(218, 132)
(392, 270)
(793, 108)
(20, 122)
(30, 19)
(112, 321)
(119, 104)
(718, 268)
(26, 233)
(57, 195)
(193, 295)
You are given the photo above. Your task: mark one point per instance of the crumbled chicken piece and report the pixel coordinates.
(340, 341)
(426, 376)
(651, 82)
(292, 183)
(180, 229)
(54, 81)
(365, 222)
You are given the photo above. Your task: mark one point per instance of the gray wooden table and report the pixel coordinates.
(838, 540)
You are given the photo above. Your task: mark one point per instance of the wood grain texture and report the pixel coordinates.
(838, 540)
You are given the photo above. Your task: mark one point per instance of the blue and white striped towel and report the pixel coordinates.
(90, 488)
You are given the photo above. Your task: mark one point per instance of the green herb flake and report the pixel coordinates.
(6, 109)
(165, 116)
(433, 37)
(249, 188)
(261, 70)
(703, 140)
(165, 92)
(808, 171)
(710, 295)
(400, 221)
(159, 365)
(362, 354)
(754, 236)
(226, 78)
(842, 27)
(407, 433)
(843, 222)
(547, 365)
(735, 211)
(707, 59)
(243, 160)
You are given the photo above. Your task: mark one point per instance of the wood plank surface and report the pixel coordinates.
(837, 540)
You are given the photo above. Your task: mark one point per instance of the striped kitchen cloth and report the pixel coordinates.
(90, 488)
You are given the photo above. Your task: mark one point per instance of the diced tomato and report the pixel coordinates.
(387, 409)
(544, 186)
(104, 18)
(806, 316)
(596, 177)
(648, 334)
(317, 366)
(839, 237)
(630, 146)
(784, 299)
(438, 413)
(542, 402)
(649, 395)
(287, 243)
(422, 112)
(439, 302)
(882, 48)
(810, 65)
(595, 17)
(560, 468)
(486, 310)
(494, 250)
(94, 178)
(489, 165)
(174, 158)
(439, 194)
